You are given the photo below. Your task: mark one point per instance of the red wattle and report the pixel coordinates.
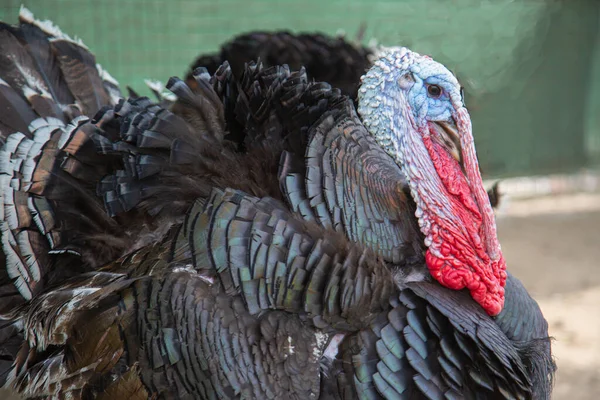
(462, 260)
(488, 291)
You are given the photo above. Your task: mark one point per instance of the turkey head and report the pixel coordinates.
(413, 107)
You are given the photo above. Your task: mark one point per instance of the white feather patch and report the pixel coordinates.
(28, 92)
(36, 216)
(158, 87)
(48, 27)
(65, 251)
(105, 76)
(321, 339)
(14, 267)
(70, 129)
(333, 347)
(41, 122)
(154, 85)
(10, 213)
(111, 85)
(33, 267)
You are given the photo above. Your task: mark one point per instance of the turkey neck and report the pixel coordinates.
(455, 218)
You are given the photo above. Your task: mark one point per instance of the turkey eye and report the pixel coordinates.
(434, 91)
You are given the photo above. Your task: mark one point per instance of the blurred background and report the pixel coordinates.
(531, 72)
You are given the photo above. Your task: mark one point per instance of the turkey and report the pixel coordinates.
(150, 257)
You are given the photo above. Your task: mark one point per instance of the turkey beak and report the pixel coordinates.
(450, 139)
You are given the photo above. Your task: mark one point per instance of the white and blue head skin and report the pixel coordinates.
(413, 107)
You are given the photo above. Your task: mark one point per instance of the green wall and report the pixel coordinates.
(530, 71)
(592, 127)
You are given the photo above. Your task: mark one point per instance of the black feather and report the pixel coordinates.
(16, 114)
(17, 68)
(39, 48)
(81, 75)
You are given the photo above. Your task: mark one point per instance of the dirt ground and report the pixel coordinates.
(553, 245)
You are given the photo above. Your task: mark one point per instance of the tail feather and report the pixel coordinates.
(49, 29)
(156, 147)
(49, 208)
(49, 164)
(203, 103)
(43, 105)
(164, 98)
(326, 59)
(16, 113)
(110, 84)
(17, 67)
(39, 56)
(40, 50)
(81, 74)
(131, 93)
